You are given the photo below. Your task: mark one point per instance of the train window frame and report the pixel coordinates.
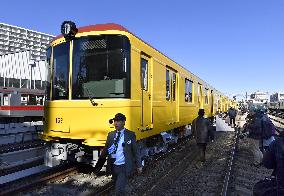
(200, 93)
(106, 81)
(168, 85)
(187, 84)
(56, 94)
(6, 98)
(174, 85)
(206, 96)
(144, 68)
(46, 85)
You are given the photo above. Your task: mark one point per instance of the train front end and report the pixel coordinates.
(89, 71)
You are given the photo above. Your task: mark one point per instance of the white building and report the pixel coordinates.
(20, 71)
(15, 39)
(258, 98)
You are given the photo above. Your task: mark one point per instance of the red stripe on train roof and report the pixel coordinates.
(21, 107)
(98, 27)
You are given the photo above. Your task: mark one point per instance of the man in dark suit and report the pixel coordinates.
(200, 128)
(123, 154)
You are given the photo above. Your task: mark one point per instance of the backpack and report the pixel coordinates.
(255, 132)
(268, 128)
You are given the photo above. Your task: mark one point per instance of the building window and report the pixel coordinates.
(1, 81)
(168, 92)
(38, 84)
(188, 90)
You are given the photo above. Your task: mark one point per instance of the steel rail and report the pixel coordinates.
(227, 179)
(33, 181)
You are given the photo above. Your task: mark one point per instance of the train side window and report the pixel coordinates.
(144, 74)
(46, 84)
(168, 92)
(0, 99)
(206, 96)
(31, 99)
(5, 99)
(24, 99)
(174, 84)
(199, 93)
(188, 90)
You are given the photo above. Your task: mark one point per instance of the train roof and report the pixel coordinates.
(99, 27)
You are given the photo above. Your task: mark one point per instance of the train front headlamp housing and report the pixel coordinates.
(69, 30)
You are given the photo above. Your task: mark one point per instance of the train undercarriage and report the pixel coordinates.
(65, 151)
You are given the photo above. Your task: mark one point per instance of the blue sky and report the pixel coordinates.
(235, 45)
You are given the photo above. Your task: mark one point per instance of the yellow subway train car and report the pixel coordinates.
(99, 70)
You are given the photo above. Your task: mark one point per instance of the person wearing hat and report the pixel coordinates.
(200, 128)
(123, 153)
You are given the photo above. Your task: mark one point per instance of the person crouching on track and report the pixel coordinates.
(273, 159)
(254, 130)
(200, 128)
(122, 151)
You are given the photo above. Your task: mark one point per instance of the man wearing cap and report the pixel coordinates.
(200, 127)
(123, 153)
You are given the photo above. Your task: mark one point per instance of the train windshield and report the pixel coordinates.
(48, 73)
(60, 71)
(101, 67)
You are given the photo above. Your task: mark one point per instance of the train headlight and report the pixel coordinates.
(69, 29)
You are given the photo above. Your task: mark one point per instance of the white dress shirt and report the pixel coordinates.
(119, 155)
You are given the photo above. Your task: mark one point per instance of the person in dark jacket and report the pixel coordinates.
(232, 115)
(253, 129)
(123, 153)
(274, 159)
(200, 128)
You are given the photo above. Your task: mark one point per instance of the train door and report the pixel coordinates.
(172, 94)
(175, 93)
(146, 88)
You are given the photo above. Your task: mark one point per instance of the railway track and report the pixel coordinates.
(279, 121)
(20, 146)
(108, 188)
(32, 181)
(80, 183)
(207, 178)
(160, 177)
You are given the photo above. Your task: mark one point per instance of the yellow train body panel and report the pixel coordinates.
(148, 112)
